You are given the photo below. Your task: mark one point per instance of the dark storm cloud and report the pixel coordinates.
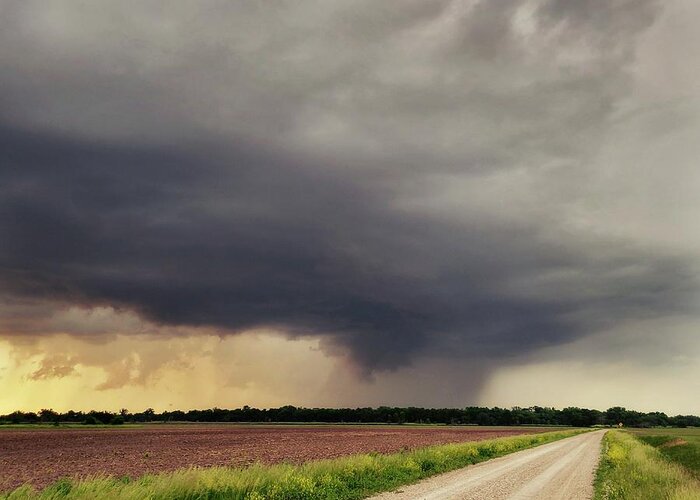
(241, 239)
(395, 181)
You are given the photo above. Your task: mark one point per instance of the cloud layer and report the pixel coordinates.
(447, 179)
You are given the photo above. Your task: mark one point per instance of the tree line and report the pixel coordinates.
(473, 415)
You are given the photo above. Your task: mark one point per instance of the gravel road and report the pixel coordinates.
(561, 470)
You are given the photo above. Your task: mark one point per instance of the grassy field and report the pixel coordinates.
(679, 445)
(633, 470)
(351, 477)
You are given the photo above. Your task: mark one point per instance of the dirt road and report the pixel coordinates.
(560, 470)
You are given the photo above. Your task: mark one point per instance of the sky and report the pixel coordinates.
(349, 203)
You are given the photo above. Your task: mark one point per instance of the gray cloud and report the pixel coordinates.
(403, 181)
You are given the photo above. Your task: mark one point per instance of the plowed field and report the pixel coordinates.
(41, 456)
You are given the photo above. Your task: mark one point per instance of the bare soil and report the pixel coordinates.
(673, 443)
(42, 456)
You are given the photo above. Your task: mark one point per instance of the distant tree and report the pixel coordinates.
(615, 415)
(117, 420)
(91, 420)
(472, 415)
(48, 415)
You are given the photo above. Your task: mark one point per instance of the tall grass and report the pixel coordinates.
(351, 477)
(632, 470)
(685, 453)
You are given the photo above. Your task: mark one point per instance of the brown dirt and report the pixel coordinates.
(41, 456)
(674, 442)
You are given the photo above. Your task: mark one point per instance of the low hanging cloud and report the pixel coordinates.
(56, 366)
(430, 179)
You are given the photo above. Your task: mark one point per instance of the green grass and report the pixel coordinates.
(667, 441)
(351, 477)
(632, 470)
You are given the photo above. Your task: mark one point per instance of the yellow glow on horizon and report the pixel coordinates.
(137, 372)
